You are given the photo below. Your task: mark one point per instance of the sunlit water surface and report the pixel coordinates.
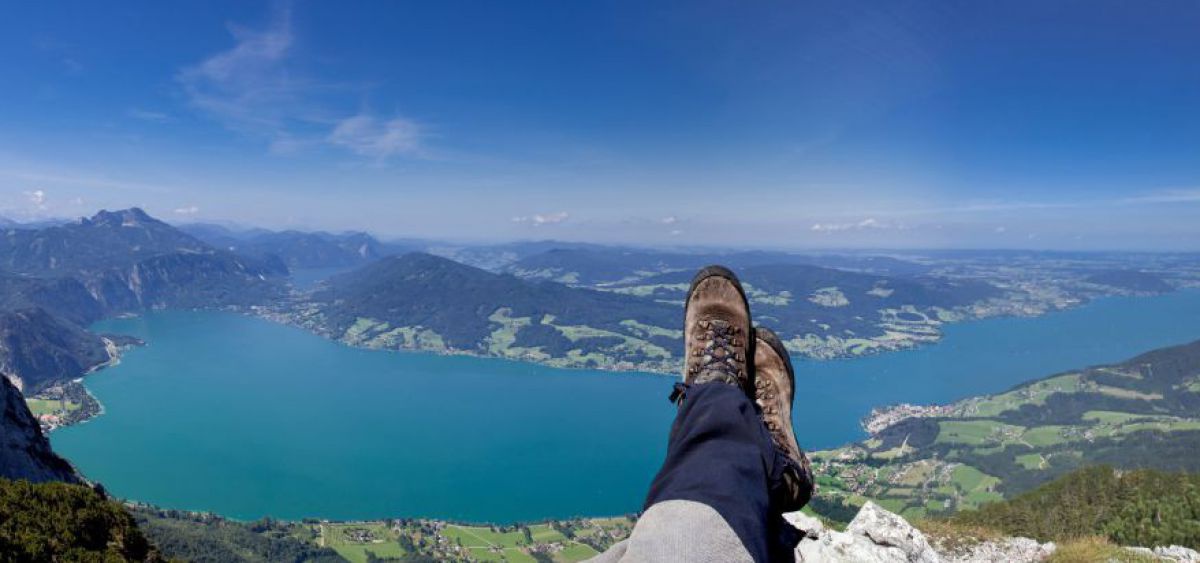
(248, 418)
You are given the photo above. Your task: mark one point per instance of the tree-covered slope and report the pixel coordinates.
(1142, 508)
(65, 298)
(424, 301)
(38, 349)
(428, 302)
(208, 538)
(827, 312)
(48, 522)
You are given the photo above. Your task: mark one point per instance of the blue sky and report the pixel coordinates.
(769, 124)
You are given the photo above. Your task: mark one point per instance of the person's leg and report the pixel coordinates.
(679, 530)
(710, 500)
(774, 392)
(721, 455)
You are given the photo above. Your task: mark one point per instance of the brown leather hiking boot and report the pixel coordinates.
(774, 391)
(716, 335)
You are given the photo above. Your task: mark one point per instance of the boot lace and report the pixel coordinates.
(719, 358)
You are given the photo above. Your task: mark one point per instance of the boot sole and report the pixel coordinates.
(723, 272)
(771, 339)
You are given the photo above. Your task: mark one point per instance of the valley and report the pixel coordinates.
(410, 282)
(943, 332)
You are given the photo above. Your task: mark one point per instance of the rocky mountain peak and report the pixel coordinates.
(132, 217)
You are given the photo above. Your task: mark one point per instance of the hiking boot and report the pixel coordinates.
(716, 335)
(774, 391)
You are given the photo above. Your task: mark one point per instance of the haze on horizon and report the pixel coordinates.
(1046, 125)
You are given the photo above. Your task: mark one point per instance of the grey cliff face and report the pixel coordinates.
(24, 452)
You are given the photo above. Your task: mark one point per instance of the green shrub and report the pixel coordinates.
(1142, 507)
(61, 522)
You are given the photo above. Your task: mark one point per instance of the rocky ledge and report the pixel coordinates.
(878, 536)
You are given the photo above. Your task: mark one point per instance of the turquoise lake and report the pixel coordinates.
(247, 418)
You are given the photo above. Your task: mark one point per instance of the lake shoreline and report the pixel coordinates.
(514, 390)
(899, 336)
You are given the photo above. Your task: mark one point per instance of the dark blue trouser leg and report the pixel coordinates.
(721, 454)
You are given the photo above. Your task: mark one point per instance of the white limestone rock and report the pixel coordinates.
(1003, 550)
(878, 536)
(874, 536)
(1175, 553)
(812, 527)
(887, 529)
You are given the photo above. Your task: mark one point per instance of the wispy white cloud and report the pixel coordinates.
(37, 198)
(368, 136)
(247, 88)
(539, 219)
(188, 210)
(669, 220)
(869, 223)
(256, 88)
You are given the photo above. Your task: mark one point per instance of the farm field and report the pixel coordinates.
(359, 542)
(939, 459)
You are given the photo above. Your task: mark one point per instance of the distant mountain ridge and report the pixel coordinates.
(105, 240)
(428, 302)
(299, 249)
(58, 279)
(593, 266)
(547, 310)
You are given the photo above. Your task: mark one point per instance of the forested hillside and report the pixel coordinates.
(1142, 507)
(204, 537)
(428, 302)
(62, 522)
